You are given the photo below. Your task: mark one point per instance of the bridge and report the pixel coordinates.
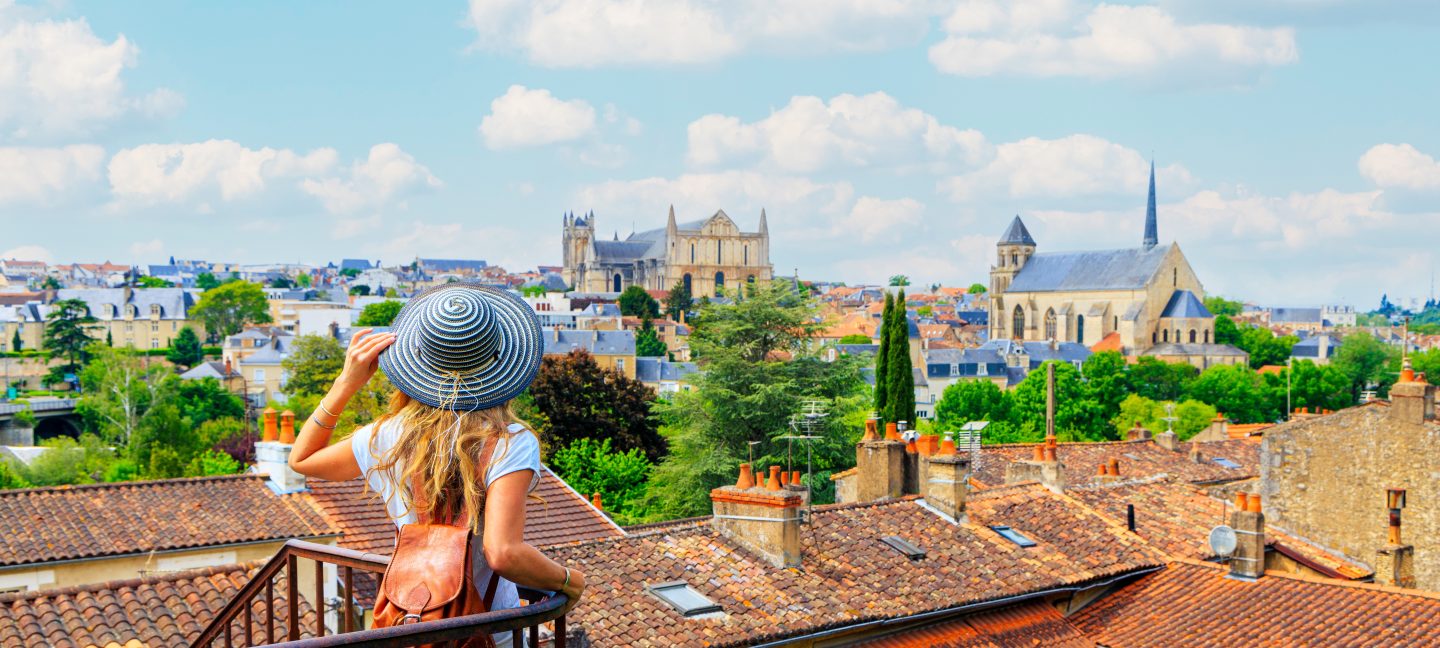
(54, 417)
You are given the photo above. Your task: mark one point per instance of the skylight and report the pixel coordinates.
(684, 598)
(907, 549)
(1013, 536)
(1225, 462)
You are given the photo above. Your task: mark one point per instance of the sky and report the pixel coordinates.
(1295, 141)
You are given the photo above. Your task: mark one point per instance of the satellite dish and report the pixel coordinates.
(1222, 540)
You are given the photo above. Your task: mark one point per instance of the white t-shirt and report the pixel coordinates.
(516, 451)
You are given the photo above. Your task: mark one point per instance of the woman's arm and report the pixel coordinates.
(504, 540)
(313, 456)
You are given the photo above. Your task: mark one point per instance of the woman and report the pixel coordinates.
(457, 355)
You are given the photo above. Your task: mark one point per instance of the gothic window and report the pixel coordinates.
(692, 253)
(1192, 336)
(1017, 324)
(1014, 259)
(1050, 324)
(719, 282)
(747, 255)
(1207, 336)
(617, 283)
(1167, 335)
(1175, 277)
(1116, 324)
(686, 279)
(718, 255)
(1080, 329)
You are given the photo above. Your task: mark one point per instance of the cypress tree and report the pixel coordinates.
(882, 386)
(901, 399)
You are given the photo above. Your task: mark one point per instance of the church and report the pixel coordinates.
(1139, 301)
(706, 255)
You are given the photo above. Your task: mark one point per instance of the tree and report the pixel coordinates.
(635, 302)
(1077, 415)
(972, 400)
(154, 282)
(771, 317)
(582, 400)
(855, 338)
(303, 280)
(206, 281)
(648, 343)
(51, 283)
(1105, 375)
(67, 331)
(977, 289)
(206, 399)
(1191, 416)
(10, 477)
(361, 290)
(1218, 306)
(227, 308)
(313, 364)
(1363, 359)
(185, 349)
(678, 301)
(16, 344)
(900, 402)
(1264, 347)
(1159, 380)
(592, 466)
(899, 280)
(1225, 331)
(281, 281)
(379, 313)
(1236, 390)
(1311, 385)
(119, 390)
(882, 357)
(213, 462)
(165, 463)
(70, 461)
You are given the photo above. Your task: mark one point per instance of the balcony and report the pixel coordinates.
(252, 617)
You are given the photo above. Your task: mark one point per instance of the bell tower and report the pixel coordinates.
(576, 237)
(1012, 251)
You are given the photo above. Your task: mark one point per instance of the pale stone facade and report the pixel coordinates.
(708, 255)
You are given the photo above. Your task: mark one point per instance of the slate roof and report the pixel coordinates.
(847, 576)
(1192, 603)
(453, 265)
(47, 524)
(1127, 269)
(1040, 352)
(356, 264)
(595, 342)
(1295, 316)
(1310, 347)
(1034, 623)
(1171, 348)
(1184, 303)
(1017, 234)
(620, 251)
(163, 610)
(207, 369)
(659, 369)
(174, 303)
(1137, 459)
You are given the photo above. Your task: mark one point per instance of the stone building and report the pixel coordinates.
(1145, 300)
(144, 318)
(706, 255)
(1326, 477)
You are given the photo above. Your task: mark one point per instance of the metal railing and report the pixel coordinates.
(239, 624)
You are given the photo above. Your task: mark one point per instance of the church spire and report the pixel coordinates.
(764, 227)
(1152, 237)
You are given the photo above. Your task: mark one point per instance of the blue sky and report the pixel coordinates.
(1295, 139)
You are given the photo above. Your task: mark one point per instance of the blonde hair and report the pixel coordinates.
(439, 451)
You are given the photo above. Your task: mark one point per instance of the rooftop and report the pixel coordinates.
(1127, 269)
(1137, 459)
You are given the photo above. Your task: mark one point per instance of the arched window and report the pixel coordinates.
(719, 282)
(1177, 336)
(686, 279)
(1017, 324)
(750, 279)
(1116, 324)
(718, 256)
(747, 255)
(1192, 336)
(1175, 277)
(1050, 324)
(1014, 259)
(1207, 336)
(1080, 329)
(617, 283)
(692, 253)
(1167, 335)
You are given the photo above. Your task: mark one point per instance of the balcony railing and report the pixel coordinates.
(251, 618)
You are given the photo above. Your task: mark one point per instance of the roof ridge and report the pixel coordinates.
(1319, 580)
(187, 574)
(1137, 248)
(15, 492)
(1028, 444)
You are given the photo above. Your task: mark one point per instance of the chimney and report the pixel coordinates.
(1395, 562)
(1138, 433)
(1248, 562)
(912, 467)
(1168, 440)
(1412, 399)
(1108, 472)
(1219, 427)
(1045, 467)
(272, 457)
(595, 501)
(764, 519)
(947, 481)
(880, 464)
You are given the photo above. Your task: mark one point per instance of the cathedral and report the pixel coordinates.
(1139, 301)
(706, 255)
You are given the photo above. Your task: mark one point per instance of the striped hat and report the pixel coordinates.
(463, 347)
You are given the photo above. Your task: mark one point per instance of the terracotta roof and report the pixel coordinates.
(1271, 369)
(1246, 430)
(847, 575)
(564, 516)
(1111, 342)
(163, 610)
(1137, 459)
(46, 524)
(1201, 607)
(1035, 623)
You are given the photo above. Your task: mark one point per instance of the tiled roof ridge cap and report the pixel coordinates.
(1133, 481)
(187, 574)
(1320, 580)
(1137, 248)
(1334, 553)
(130, 484)
(1064, 443)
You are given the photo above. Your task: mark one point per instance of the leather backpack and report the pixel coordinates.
(432, 573)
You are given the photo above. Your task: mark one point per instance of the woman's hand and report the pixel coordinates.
(362, 360)
(574, 589)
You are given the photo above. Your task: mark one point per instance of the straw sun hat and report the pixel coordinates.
(463, 347)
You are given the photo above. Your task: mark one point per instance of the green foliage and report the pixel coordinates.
(1426, 362)
(977, 289)
(281, 282)
(1364, 359)
(206, 281)
(185, 349)
(227, 308)
(1313, 386)
(1264, 347)
(51, 283)
(1225, 331)
(1105, 376)
(648, 343)
(855, 338)
(1160, 381)
(581, 400)
(900, 379)
(379, 313)
(361, 290)
(924, 311)
(1237, 391)
(1218, 306)
(122, 470)
(120, 389)
(593, 467)
(635, 302)
(206, 399)
(973, 400)
(24, 418)
(771, 316)
(303, 280)
(350, 272)
(678, 301)
(165, 464)
(882, 357)
(313, 364)
(899, 280)
(70, 461)
(11, 476)
(1078, 417)
(1192, 416)
(67, 331)
(212, 462)
(16, 344)
(154, 282)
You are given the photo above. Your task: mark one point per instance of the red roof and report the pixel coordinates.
(1111, 342)
(1137, 459)
(1035, 623)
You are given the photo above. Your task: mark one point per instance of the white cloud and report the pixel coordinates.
(499, 245)
(388, 173)
(793, 202)
(59, 78)
(1400, 166)
(1071, 166)
(28, 253)
(1063, 38)
(872, 217)
(810, 134)
(591, 33)
(47, 175)
(155, 173)
(141, 250)
(523, 117)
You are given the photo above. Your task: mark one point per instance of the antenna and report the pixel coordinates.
(807, 426)
(1170, 417)
(1223, 541)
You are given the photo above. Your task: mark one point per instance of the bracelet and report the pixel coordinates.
(316, 421)
(333, 415)
(567, 579)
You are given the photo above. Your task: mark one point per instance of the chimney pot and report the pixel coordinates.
(287, 427)
(1248, 561)
(1114, 466)
(747, 477)
(870, 429)
(1253, 503)
(947, 447)
(795, 478)
(270, 433)
(595, 501)
(1240, 501)
(774, 482)
(1040, 452)
(1102, 470)
(784, 478)
(891, 433)
(767, 522)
